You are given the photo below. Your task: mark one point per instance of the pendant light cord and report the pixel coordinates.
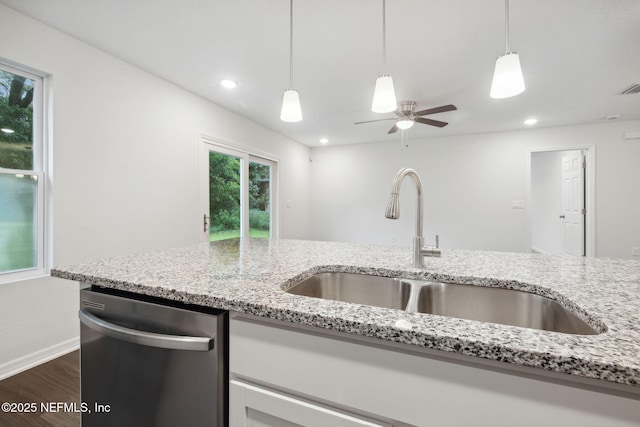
(384, 36)
(290, 44)
(506, 25)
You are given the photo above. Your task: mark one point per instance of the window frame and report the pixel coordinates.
(42, 165)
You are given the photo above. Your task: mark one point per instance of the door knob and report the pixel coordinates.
(561, 216)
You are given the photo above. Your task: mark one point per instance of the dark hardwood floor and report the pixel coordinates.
(49, 383)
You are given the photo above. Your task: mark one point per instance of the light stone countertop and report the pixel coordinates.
(249, 276)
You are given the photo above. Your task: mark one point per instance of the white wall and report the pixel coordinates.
(125, 150)
(470, 184)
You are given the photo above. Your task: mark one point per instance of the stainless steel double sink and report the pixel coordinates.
(485, 304)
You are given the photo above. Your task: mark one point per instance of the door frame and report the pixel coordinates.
(589, 192)
(247, 154)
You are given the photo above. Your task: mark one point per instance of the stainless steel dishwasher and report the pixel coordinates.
(146, 362)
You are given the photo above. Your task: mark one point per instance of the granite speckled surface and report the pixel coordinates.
(250, 276)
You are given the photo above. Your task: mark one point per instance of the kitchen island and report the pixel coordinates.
(248, 277)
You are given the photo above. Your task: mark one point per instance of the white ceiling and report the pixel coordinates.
(576, 56)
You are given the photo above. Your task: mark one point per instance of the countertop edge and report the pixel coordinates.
(499, 352)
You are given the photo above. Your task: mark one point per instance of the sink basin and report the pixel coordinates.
(357, 288)
(496, 305)
(485, 304)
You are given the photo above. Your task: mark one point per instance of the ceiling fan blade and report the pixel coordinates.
(431, 122)
(436, 110)
(371, 121)
(394, 129)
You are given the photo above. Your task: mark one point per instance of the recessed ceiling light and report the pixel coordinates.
(228, 83)
(324, 140)
(7, 130)
(530, 122)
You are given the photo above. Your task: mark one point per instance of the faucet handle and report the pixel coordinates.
(432, 251)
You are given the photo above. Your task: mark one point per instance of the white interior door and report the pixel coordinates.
(573, 174)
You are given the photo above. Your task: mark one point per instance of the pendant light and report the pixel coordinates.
(384, 96)
(291, 111)
(507, 77)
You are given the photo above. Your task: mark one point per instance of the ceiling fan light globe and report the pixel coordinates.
(507, 77)
(404, 124)
(384, 96)
(291, 111)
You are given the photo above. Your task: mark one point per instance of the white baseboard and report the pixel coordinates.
(36, 358)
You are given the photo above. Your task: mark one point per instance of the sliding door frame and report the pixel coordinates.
(246, 155)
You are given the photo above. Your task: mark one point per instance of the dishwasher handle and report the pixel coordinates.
(150, 339)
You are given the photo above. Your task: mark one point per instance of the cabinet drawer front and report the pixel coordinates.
(253, 406)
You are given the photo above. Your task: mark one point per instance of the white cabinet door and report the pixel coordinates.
(252, 406)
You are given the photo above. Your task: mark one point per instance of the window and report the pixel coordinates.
(237, 193)
(22, 174)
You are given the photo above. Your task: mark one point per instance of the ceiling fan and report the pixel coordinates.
(407, 117)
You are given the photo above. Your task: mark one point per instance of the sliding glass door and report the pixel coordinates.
(237, 192)
(260, 172)
(225, 195)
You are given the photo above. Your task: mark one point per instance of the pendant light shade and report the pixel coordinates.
(507, 76)
(291, 110)
(384, 96)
